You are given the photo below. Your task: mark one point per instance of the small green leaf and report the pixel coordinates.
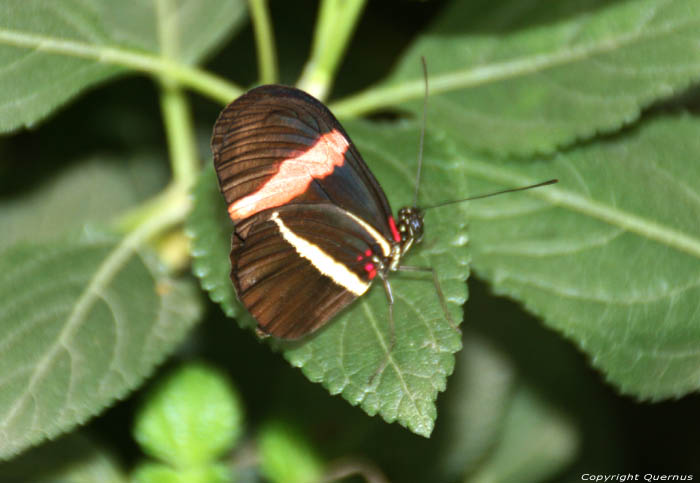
(72, 458)
(190, 419)
(81, 324)
(514, 77)
(610, 256)
(160, 473)
(286, 456)
(537, 442)
(51, 51)
(346, 354)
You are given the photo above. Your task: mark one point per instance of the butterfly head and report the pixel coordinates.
(410, 225)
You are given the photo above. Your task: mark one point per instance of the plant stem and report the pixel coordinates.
(169, 208)
(159, 214)
(378, 97)
(182, 150)
(153, 217)
(265, 41)
(336, 22)
(179, 132)
(177, 119)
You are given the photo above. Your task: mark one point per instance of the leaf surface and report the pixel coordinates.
(517, 77)
(83, 322)
(51, 51)
(473, 411)
(537, 443)
(610, 256)
(73, 458)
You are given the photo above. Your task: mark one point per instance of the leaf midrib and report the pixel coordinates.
(176, 207)
(369, 314)
(167, 31)
(563, 291)
(204, 82)
(646, 228)
(92, 292)
(378, 97)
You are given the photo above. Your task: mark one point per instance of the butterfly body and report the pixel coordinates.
(313, 227)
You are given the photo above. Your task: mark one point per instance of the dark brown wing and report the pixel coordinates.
(277, 145)
(282, 277)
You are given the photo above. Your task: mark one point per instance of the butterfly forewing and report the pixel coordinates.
(277, 145)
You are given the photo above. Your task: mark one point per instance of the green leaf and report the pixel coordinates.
(191, 418)
(352, 348)
(179, 29)
(286, 455)
(537, 442)
(82, 323)
(72, 458)
(471, 421)
(160, 473)
(513, 77)
(209, 229)
(610, 256)
(51, 51)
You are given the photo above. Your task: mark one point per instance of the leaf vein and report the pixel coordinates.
(105, 272)
(612, 215)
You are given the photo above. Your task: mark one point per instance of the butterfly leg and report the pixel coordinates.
(392, 333)
(438, 289)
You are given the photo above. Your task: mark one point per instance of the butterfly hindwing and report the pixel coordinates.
(301, 264)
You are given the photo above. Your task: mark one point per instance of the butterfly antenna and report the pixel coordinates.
(422, 131)
(487, 195)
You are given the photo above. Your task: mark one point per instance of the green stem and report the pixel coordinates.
(265, 41)
(179, 131)
(205, 83)
(377, 97)
(165, 210)
(169, 208)
(336, 22)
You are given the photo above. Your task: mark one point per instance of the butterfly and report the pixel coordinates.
(313, 227)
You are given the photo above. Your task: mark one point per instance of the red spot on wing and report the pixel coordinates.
(369, 268)
(294, 176)
(394, 232)
(359, 257)
(368, 252)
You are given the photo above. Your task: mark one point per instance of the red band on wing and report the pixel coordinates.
(294, 176)
(394, 231)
